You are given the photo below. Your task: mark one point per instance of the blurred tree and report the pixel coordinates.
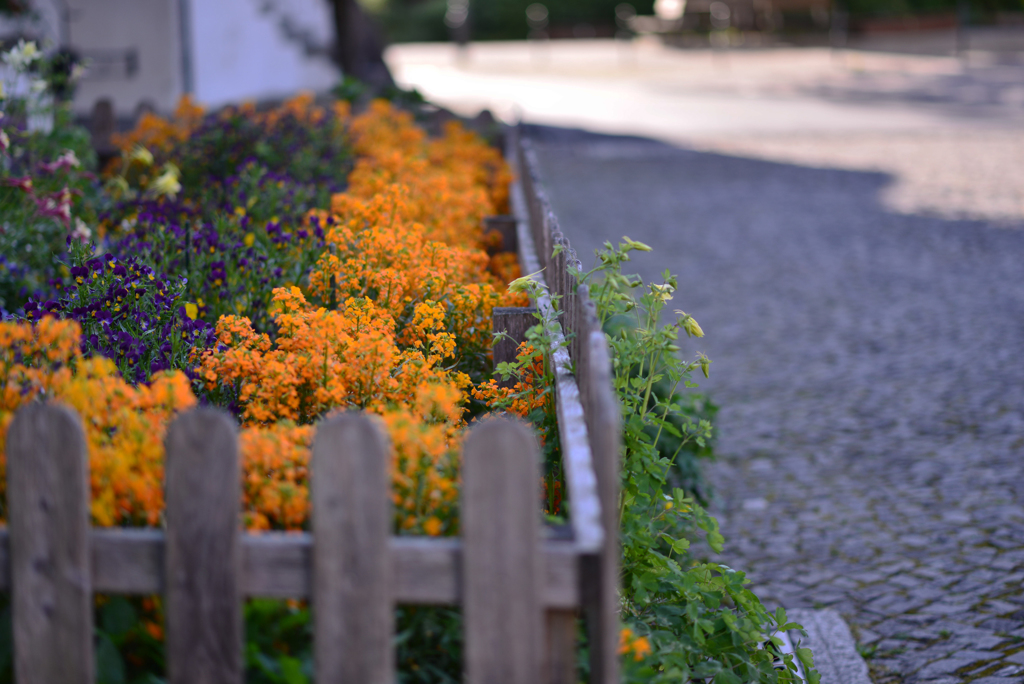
(359, 45)
(13, 7)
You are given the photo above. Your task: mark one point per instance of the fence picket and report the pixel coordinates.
(48, 497)
(353, 608)
(502, 569)
(600, 574)
(203, 552)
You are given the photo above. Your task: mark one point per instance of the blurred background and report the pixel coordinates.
(147, 53)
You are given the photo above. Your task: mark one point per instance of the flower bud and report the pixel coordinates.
(692, 328)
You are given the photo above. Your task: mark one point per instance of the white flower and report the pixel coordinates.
(5, 142)
(38, 86)
(69, 159)
(81, 232)
(21, 55)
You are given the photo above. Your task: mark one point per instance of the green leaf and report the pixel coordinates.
(291, 670)
(117, 617)
(109, 665)
(807, 660)
(716, 541)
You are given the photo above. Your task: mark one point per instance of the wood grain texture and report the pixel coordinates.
(203, 552)
(560, 647)
(601, 575)
(426, 570)
(502, 563)
(48, 519)
(353, 606)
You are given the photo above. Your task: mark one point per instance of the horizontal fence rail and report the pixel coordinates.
(425, 570)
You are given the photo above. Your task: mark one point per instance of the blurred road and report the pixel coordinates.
(949, 131)
(849, 231)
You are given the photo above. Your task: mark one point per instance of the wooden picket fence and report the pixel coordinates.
(521, 586)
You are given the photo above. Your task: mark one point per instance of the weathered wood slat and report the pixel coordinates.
(203, 553)
(505, 226)
(502, 564)
(576, 456)
(353, 610)
(600, 579)
(560, 647)
(48, 498)
(426, 570)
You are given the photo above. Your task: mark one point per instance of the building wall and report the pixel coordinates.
(115, 33)
(234, 50)
(255, 49)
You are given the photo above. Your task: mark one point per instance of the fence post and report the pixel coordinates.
(515, 321)
(502, 571)
(48, 518)
(203, 553)
(600, 573)
(353, 608)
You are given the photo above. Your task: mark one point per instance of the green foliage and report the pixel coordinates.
(46, 189)
(418, 20)
(698, 617)
(980, 9)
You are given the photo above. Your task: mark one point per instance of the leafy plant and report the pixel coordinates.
(46, 189)
(696, 616)
(128, 313)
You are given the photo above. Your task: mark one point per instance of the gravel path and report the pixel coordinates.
(869, 361)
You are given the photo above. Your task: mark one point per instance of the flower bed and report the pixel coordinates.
(380, 301)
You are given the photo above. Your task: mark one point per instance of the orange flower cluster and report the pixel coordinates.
(377, 252)
(323, 361)
(275, 475)
(530, 392)
(639, 647)
(327, 360)
(452, 182)
(124, 425)
(156, 133)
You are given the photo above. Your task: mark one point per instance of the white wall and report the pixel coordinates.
(239, 52)
(152, 28)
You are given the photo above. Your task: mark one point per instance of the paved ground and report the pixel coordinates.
(861, 283)
(869, 368)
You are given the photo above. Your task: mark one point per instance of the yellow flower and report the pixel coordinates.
(524, 284)
(167, 182)
(250, 238)
(690, 325)
(142, 155)
(191, 310)
(633, 244)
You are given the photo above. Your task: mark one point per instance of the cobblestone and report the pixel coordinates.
(868, 361)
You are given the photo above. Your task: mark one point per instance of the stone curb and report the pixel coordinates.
(835, 652)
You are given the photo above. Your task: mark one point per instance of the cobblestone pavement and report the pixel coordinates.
(869, 361)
